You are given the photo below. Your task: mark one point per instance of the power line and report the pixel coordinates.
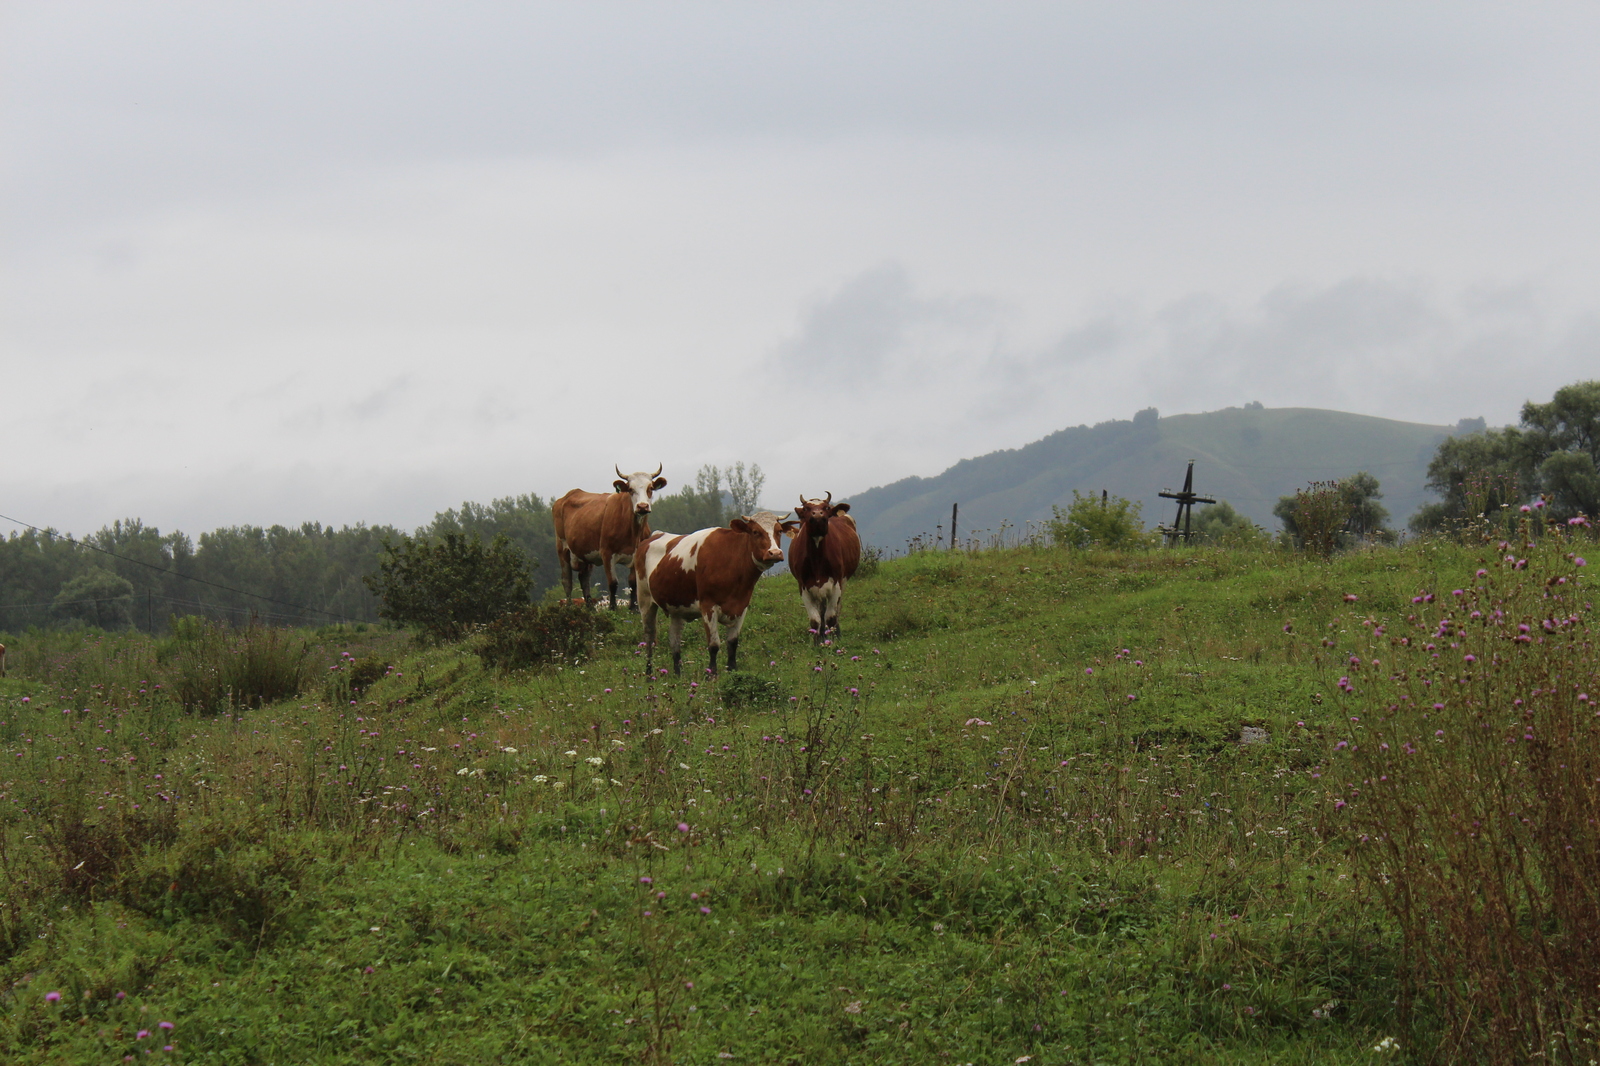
(172, 573)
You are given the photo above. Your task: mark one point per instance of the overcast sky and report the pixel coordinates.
(276, 262)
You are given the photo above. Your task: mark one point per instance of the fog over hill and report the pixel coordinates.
(1248, 456)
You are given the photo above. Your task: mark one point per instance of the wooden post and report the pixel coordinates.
(954, 507)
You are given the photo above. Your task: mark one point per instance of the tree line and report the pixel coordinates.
(131, 574)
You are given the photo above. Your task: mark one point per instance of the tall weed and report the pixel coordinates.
(218, 667)
(1468, 772)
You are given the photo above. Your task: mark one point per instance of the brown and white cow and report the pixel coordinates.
(711, 575)
(822, 556)
(604, 528)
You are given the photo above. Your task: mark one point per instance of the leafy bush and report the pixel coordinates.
(217, 666)
(555, 632)
(1314, 516)
(449, 586)
(1220, 524)
(1091, 523)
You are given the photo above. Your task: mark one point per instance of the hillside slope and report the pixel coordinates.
(1249, 457)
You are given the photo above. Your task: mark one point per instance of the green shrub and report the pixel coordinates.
(448, 587)
(548, 633)
(1090, 523)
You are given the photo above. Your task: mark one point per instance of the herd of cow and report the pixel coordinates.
(709, 574)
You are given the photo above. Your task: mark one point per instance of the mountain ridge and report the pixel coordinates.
(1249, 456)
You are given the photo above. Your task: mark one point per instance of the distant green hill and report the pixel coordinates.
(1249, 457)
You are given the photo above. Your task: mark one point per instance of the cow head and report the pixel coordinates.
(814, 515)
(640, 486)
(765, 531)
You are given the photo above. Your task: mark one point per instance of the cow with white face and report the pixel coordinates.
(604, 528)
(711, 575)
(822, 556)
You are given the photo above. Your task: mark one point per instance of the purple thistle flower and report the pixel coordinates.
(683, 827)
(52, 997)
(164, 1025)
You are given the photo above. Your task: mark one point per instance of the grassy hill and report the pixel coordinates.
(1250, 457)
(1008, 817)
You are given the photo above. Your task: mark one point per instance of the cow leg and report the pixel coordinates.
(608, 561)
(732, 641)
(649, 637)
(835, 595)
(633, 588)
(675, 632)
(713, 636)
(813, 612)
(584, 570)
(564, 562)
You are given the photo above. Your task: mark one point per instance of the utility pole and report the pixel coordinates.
(954, 507)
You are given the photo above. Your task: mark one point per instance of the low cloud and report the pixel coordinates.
(876, 325)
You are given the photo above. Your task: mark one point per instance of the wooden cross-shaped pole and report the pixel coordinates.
(1186, 501)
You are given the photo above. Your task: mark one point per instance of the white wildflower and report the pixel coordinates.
(572, 754)
(509, 751)
(594, 760)
(539, 779)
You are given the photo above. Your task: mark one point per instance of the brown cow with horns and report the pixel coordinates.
(711, 575)
(604, 527)
(823, 555)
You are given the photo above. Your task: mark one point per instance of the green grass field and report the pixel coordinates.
(1007, 818)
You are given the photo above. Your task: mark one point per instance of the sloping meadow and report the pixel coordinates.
(1034, 805)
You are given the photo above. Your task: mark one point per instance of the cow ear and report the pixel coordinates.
(620, 485)
(743, 525)
(790, 528)
(659, 483)
(841, 508)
